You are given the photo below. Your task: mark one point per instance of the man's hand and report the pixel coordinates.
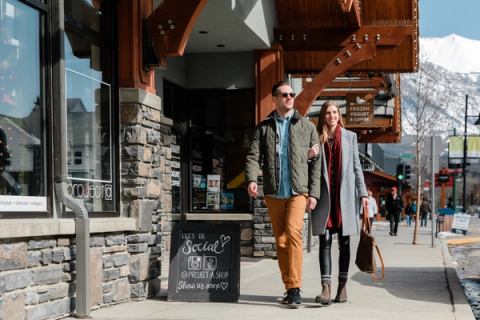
(252, 189)
(313, 151)
(312, 203)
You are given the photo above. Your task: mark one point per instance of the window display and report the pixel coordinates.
(217, 125)
(22, 145)
(89, 138)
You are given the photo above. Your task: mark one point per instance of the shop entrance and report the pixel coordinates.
(213, 128)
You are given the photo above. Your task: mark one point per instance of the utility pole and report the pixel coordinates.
(432, 191)
(464, 164)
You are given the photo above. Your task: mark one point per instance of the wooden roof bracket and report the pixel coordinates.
(354, 16)
(170, 25)
(349, 56)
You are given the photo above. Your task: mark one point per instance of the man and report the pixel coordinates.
(424, 211)
(280, 146)
(394, 209)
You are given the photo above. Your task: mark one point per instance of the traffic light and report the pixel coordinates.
(400, 172)
(407, 172)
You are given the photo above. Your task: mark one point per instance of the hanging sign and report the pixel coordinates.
(360, 109)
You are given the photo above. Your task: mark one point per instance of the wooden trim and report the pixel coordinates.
(321, 38)
(170, 25)
(379, 137)
(349, 56)
(130, 45)
(268, 71)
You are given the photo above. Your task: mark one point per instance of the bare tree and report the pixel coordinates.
(429, 103)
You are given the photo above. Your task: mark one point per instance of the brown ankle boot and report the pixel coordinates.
(341, 292)
(325, 297)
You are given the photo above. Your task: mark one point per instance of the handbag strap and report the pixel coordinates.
(367, 228)
(374, 277)
(366, 221)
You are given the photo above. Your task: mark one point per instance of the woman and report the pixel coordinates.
(342, 185)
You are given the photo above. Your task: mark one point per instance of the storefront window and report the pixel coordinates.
(216, 126)
(89, 139)
(22, 143)
(221, 125)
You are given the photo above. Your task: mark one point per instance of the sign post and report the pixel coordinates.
(205, 262)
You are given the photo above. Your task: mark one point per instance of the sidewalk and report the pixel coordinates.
(420, 283)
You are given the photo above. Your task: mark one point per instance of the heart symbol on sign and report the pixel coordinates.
(224, 285)
(224, 240)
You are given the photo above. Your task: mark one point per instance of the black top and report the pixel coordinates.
(394, 206)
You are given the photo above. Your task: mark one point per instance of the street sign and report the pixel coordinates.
(460, 223)
(407, 155)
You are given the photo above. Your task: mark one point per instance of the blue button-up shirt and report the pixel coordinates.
(284, 176)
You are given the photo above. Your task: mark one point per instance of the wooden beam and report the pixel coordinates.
(353, 16)
(377, 82)
(321, 38)
(379, 137)
(130, 40)
(170, 25)
(352, 54)
(387, 59)
(268, 70)
(378, 123)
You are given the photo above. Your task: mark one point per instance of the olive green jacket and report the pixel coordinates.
(304, 172)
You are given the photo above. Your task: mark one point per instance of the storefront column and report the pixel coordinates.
(268, 70)
(131, 14)
(145, 137)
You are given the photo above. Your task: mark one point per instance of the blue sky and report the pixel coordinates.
(439, 18)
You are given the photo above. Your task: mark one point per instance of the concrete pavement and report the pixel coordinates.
(420, 283)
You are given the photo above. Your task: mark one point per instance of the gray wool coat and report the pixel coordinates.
(352, 188)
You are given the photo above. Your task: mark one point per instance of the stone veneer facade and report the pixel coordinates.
(37, 278)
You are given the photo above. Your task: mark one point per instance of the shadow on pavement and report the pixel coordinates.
(418, 284)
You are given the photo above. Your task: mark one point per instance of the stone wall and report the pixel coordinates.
(146, 140)
(263, 238)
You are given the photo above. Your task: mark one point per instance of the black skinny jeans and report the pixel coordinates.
(325, 256)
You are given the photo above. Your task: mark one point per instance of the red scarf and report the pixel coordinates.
(334, 165)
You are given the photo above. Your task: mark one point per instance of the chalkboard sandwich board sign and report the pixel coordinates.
(204, 262)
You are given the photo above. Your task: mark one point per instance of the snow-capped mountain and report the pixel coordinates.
(454, 53)
(451, 68)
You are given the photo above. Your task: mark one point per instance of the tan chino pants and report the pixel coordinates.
(286, 216)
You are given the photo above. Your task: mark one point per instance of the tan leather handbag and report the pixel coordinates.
(365, 259)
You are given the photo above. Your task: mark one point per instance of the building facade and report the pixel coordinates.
(119, 119)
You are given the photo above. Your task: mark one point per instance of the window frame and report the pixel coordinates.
(45, 103)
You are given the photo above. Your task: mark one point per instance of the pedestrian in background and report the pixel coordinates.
(342, 185)
(280, 147)
(394, 209)
(408, 214)
(372, 207)
(424, 212)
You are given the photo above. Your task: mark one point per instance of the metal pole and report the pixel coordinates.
(454, 188)
(464, 165)
(82, 227)
(432, 192)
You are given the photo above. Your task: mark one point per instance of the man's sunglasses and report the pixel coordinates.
(286, 94)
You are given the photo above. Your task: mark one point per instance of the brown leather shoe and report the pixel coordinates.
(341, 292)
(325, 297)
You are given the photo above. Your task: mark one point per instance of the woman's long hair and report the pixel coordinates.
(322, 126)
